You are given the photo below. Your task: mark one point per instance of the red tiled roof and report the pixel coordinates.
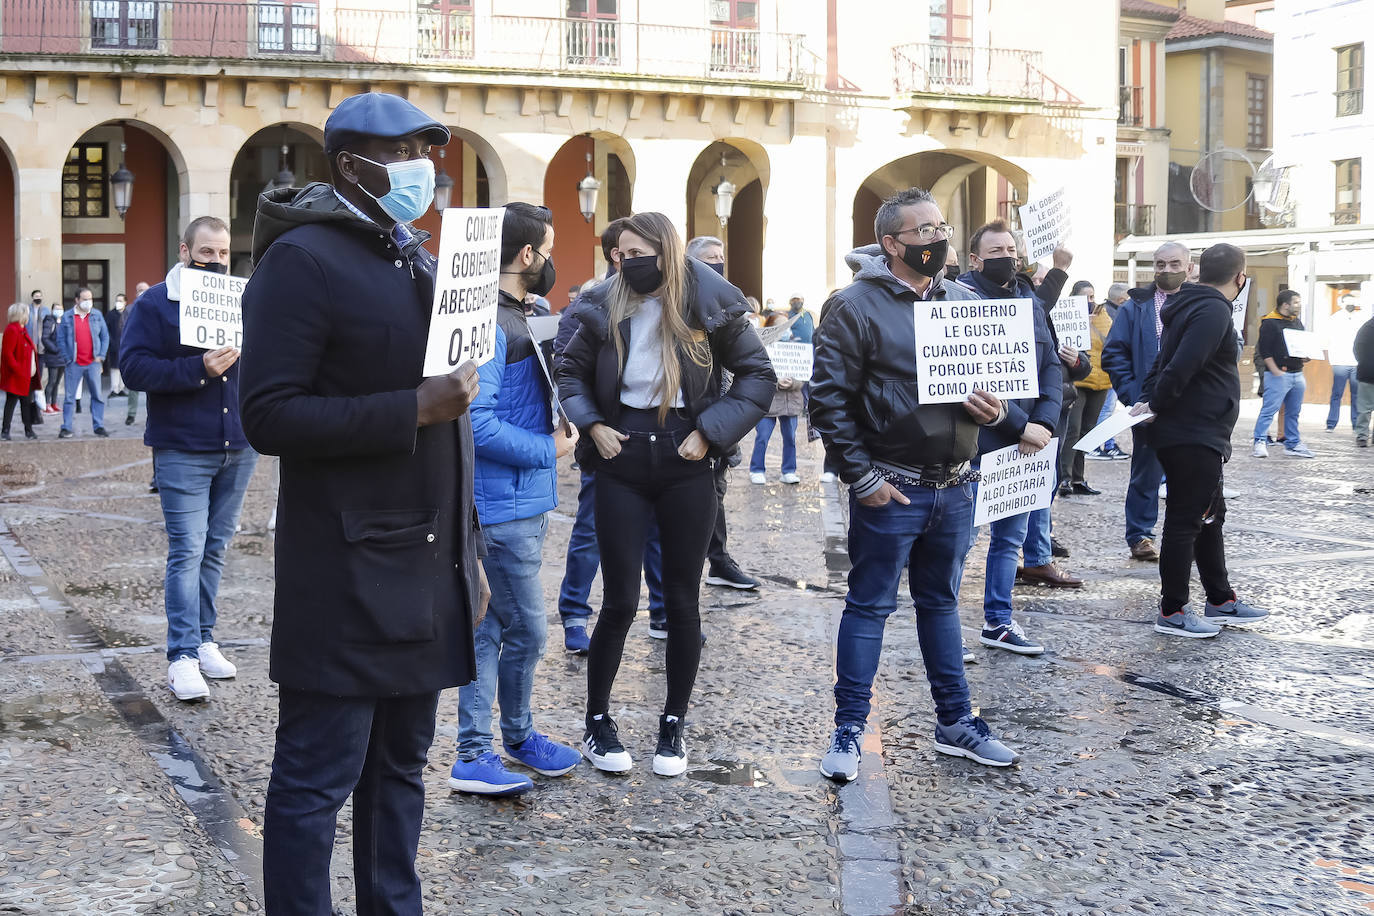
(1197, 27)
(1147, 10)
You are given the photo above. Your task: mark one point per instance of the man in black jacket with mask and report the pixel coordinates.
(1193, 390)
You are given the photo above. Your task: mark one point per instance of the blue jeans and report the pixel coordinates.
(1282, 389)
(1142, 493)
(932, 535)
(1340, 377)
(74, 375)
(1108, 408)
(509, 641)
(763, 432)
(202, 494)
(584, 557)
(1038, 548)
(1007, 535)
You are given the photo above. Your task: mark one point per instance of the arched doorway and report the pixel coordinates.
(9, 223)
(970, 187)
(294, 148)
(100, 250)
(577, 240)
(743, 164)
(477, 173)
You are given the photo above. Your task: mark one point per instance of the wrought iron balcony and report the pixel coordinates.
(956, 69)
(1349, 102)
(1346, 215)
(1132, 111)
(1134, 219)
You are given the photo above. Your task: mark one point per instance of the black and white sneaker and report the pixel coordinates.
(671, 757)
(601, 745)
(1011, 637)
(729, 575)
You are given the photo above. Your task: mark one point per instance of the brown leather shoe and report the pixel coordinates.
(1050, 574)
(1144, 549)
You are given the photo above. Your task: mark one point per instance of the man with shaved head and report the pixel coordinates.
(1129, 353)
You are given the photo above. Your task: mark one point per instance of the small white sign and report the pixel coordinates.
(462, 325)
(543, 327)
(1046, 224)
(211, 314)
(1110, 428)
(987, 344)
(1013, 483)
(1071, 322)
(1238, 306)
(791, 359)
(1303, 344)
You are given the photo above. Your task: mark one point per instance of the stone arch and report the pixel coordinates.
(9, 224)
(745, 164)
(272, 148)
(577, 242)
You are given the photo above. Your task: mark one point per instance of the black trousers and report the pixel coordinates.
(648, 479)
(1194, 517)
(27, 410)
(716, 551)
(1081, 416)
(326, 748)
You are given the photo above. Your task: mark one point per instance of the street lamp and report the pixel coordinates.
(725, 195)
(443, 187)
(122, 185)
(587, 189)
(285, 178)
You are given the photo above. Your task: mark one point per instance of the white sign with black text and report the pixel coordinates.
(1238, 306)
(987, 344)
(791, 359)
(1045, 222)
(462, 325)
(211, 314)
(1303, 344)
(1014, 483)
(1071, 322)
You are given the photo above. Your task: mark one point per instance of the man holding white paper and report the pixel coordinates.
(1284, 385)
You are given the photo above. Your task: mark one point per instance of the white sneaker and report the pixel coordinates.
(183, 677)
(827, 477)
(1164, 491)
(1228, 493)
(790, 478)
(213, 664)
(758, 478)
(1260, 450)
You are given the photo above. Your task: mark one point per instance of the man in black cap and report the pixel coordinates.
(377, 580)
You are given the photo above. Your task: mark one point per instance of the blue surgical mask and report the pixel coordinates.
(412, 188)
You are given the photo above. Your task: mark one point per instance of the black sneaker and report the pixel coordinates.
(1058, 549)
(601, 745)
(730, 575)
(671, 757)
(1011, 637)
(658, 629)
(100, 433)
(64, 434)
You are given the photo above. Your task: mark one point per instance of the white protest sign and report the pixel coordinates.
(1071, 322)
(1303, 344)
(462, 325)
(1238, 308)
(966, 344)
(543, 327)
(1014, 483)
(1045, 222)
(1109, 428)
(211, 313)
(791, 359)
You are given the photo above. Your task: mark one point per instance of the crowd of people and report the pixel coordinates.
(412, 512)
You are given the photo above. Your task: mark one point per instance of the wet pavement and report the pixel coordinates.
(1157, 776)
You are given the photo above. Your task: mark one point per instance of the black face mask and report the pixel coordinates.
(717, 266)
(642, 274)
(214, 267)
(39, 301)
(927, 260)
(547, 277)
(999, 270)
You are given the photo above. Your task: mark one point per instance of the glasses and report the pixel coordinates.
(928, 233)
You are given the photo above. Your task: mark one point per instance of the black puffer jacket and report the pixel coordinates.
(589, 371)
(1364, 352)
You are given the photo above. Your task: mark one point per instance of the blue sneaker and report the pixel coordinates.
(576, 641)
(487, 776)
(970, 737)
(545, 757)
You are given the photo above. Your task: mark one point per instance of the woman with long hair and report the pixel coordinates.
(642, 379)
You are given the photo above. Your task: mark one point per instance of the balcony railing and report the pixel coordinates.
(1132, 112)
(1134, 219)
(306, 31)
(966, 70)
(1349, 102)
(1346, 216)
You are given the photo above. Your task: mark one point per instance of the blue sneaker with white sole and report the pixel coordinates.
(545, 757)
(970, 737)
(487, 776)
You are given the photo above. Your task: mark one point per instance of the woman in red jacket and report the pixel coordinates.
(18, 363)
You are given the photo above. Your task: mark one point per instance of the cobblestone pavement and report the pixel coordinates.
(1158, 775)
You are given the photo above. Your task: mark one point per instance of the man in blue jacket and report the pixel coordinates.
(518, 447)
(1127, 356)
(83, 339)
(201, 459)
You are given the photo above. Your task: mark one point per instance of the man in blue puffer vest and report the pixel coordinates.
(518, 447)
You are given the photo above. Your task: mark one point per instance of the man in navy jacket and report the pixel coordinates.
(201, 460)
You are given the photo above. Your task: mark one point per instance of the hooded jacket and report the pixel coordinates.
(1046, 296)
(1194, 386)
(589, 371)
(1364, 352)
(1273, 345)
(864, 395)
(1132, 346)
(377, 537)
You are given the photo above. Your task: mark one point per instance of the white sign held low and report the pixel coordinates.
(1303, 344)
(211, 314)
(1110, 428)
(1071, 322)
(791, 359)
(1014, 483)
(1238, 306)
(1046, 224)
(462, 324)
(966, 344)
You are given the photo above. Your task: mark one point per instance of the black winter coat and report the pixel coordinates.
(1364, 352)
(589, 371)
(52, 353)
(114, 323)
(377, 536)
(1194, 386)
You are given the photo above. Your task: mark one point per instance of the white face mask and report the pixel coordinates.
(57, 313)
(83, 305)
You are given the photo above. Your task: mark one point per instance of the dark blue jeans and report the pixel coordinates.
(1341, 376)
(1142, 493)
(763, 432)
(584, 557)
(326, 748)
(932, 535)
